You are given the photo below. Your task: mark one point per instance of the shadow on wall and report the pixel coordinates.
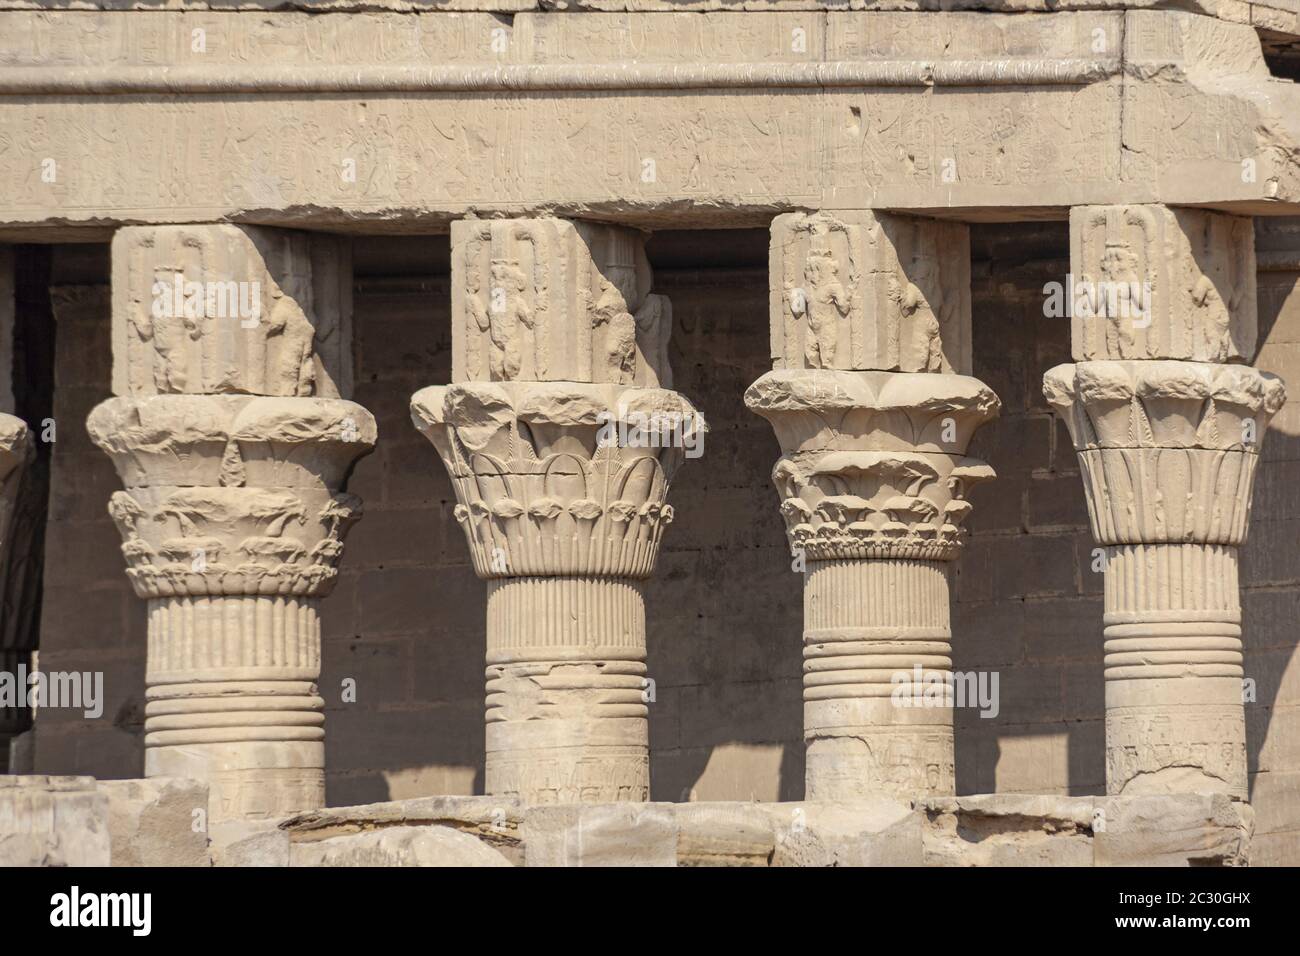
(1270, 559)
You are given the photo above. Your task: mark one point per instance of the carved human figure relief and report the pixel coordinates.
(549, 300)
(1159, 282)
(611, 321)
(860, 291)
(509, 315)
(825, 304)
(225, 309)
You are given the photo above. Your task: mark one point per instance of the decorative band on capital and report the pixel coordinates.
(232, 494)
(560, 478)
(874, 463)
(1168, 449)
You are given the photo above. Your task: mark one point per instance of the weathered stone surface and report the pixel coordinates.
(1158, 283)
(561, 490)
(601, 835)
(725, 119)
(248, 843)
(157, 822)
(397, 846)
(725, 834)
(881, 832)
(873, 481)
(233, 457)
(53, 821)
(212, 309)
(552, 300)
(495, 821)
(1183, 829)
(874, 463)
(860, 290)
(545, 483)
(1008, 830)
(1168, 452)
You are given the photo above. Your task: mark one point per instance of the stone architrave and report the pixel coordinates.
(234, 451)
(1168, 438)
(561, 445)
(873, 481)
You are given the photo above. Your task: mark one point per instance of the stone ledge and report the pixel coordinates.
(981, 830)
(49, 821)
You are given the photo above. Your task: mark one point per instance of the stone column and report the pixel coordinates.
(16, 453)
(1167, 420)
(874, 408)
(230, 353)
(561, 436)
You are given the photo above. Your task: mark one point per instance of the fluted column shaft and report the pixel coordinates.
(233, 447)
(1168, 430)
(561, 439)
(877, 638)
(567, 718)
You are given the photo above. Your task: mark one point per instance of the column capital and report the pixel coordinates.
(230, 351)
(553, 478)
(561, 437)
(874, 464)
(1168, 449)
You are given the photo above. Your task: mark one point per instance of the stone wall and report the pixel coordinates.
(724, 609)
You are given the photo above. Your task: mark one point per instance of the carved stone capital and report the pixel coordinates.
(1155, 282)
(859, 290)
(1168, 449)
(555, 300)
(221, 308)
(232, 495)
(560, 478)
(874, 464)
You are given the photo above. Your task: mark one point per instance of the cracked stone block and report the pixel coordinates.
(495, 821)
(249, 843)
(1008, 830)
(397, 846)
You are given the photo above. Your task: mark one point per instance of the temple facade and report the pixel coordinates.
(781, 434)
